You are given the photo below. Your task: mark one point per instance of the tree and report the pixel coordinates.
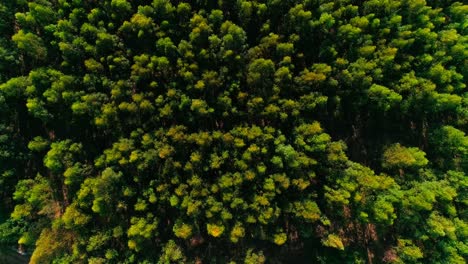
(234, 131)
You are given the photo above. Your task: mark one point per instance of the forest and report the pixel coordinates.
(234, 131)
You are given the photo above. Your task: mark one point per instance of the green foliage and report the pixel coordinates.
(38, 144)
(252, 257)
(159, 131)
(15, 87)
(333, 241)
(31, 44)
(397, 156)
(49, 245)
(383, 97)
(171, 253)
(451, 147)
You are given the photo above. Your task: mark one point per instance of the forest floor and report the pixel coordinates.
(9, 256)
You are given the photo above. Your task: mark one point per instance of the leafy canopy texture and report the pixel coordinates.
(247, 131)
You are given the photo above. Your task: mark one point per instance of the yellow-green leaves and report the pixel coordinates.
(260, 72)
(451, 144)
(383, 98)
(307, 210)
(182, 230)
(74, 217)
(51, 244)
(214, 229)
(62, 155)
(171, 253)
(237, 232)
(397, 156)
(31, 44)
(280, 238)
(140, 228)
(121, 5)
(15, 87)
(38, 144)
(408, 251)
(207, 131)
(333, 241)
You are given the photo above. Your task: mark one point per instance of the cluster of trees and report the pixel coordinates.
(234, 131)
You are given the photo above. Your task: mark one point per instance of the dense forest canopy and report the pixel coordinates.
(261, 131)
